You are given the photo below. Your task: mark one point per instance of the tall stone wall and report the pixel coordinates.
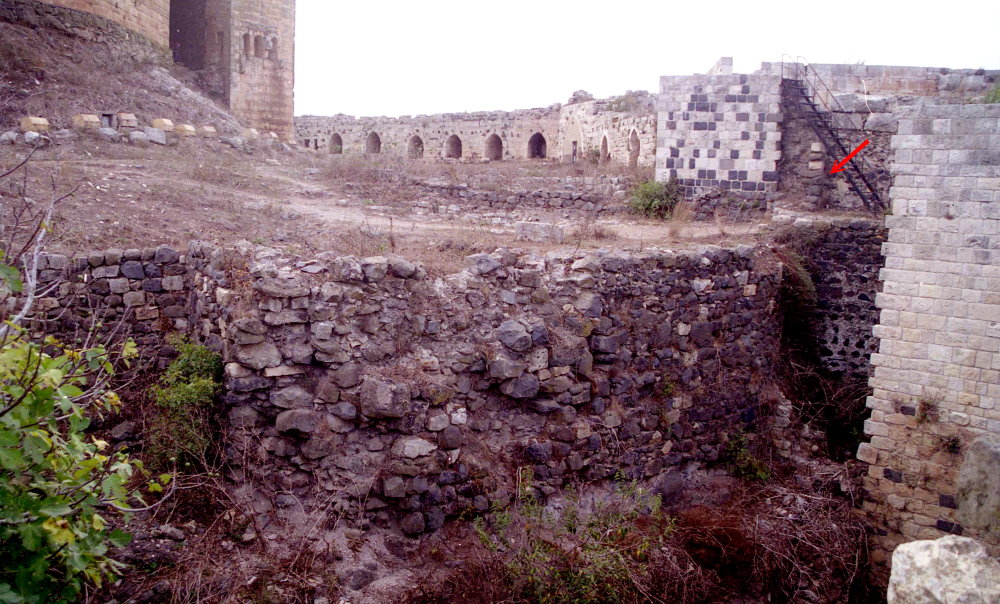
(430, 134)
(262, 62)
(719, 132)
(937, 373)
(151, 18)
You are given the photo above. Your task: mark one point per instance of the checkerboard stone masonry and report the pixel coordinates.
(726, 132)
(719, 131)
(936, 379)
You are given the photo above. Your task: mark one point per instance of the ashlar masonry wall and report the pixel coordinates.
(719, 132)
(937, 373)
(617, 136)
(480, 135)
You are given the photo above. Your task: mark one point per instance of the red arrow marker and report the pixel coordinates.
(840, 166)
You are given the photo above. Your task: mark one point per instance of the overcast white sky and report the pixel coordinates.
(382, 57)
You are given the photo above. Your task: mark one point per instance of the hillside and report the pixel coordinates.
(56, 73)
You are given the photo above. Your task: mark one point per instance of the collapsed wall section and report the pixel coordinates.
(411, 399)
(937, 373)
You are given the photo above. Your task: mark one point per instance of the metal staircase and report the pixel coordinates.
(817, 103)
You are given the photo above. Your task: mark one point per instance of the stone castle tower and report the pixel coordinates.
(244, 48)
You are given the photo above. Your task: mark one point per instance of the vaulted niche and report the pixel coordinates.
(187, 32)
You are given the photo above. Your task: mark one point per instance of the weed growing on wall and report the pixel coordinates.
(182, 430)
(745, 465)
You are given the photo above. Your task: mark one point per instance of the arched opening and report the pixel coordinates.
(373, 144)
(494, 148)
(272, 48)
(633, 149)
(415, 149)
(604, 149)
(536, 146)
(336, 144)
(247, 45)
(258, 47)
(453, 147)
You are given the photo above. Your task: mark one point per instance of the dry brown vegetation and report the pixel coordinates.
(768, 543)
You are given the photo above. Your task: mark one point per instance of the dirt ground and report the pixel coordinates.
(299, 201)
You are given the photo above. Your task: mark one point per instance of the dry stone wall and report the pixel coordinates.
(937, 373)
(411, 399)
(142, 294)
(364, 381)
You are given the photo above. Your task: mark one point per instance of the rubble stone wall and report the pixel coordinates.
(364, 380)
(415, 399)
(937, 373)
(844, 259)
(140, 293)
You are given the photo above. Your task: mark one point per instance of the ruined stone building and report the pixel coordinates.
(244, 49)
(600, 130)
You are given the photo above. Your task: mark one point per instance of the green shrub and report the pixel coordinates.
(655, 199)
(745, 465)
(55, 481)
(992, 96)
(182, 432)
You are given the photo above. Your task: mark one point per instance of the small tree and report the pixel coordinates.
(56, 482)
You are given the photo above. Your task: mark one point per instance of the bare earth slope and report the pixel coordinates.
(53, 74)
